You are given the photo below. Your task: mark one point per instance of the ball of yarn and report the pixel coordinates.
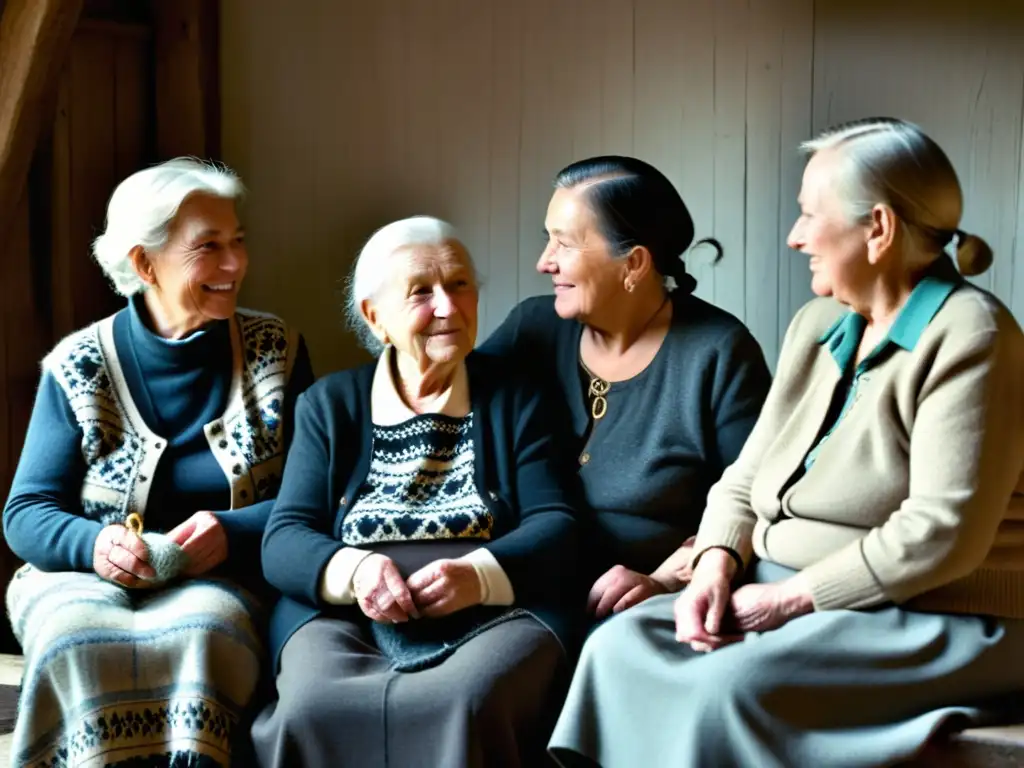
(166, 557)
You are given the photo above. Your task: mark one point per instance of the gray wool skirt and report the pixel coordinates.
(836, 688)
(342, 703)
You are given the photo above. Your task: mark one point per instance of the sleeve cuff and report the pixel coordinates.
(495, 587)
(336, 582)
(843, 580)
(734, 539)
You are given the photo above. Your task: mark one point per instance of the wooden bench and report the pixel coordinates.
(11, 668)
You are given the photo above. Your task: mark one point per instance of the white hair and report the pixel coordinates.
(370, 271)
(143, 206)
(893, 162)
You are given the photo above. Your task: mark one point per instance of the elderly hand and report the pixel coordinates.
(381, 592)
(620, 588)
(203, 539)
(675, 573)
(762, 607)
(120, 556)
(700, 611)
(445, 586)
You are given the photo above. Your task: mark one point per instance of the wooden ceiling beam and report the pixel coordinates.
(35, 36)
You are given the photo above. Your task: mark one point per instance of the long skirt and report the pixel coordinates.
(835, 688)
(341, 703)
(119, 677)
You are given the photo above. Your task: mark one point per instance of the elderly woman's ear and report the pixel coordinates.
(372, 317)
(142, 264)
(637, 265)
(883, 233)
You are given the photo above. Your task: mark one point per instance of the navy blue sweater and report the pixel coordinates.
(534, 535)
(178, 386)
(667, 436)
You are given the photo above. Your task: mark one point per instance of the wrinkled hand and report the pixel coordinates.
(203, 539)
(381, 592)
(763, 607)
(444, 587)
(120, 556)
(700, 611)
(620, 588)
(675, 573)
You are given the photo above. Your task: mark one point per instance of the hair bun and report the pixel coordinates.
(973, 255)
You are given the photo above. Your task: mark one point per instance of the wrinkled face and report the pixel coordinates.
(837, 247)
(578, 257)
(427, 308)
(198, 272)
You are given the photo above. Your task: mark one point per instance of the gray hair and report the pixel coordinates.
(143, 206)
(370, 271)
(895, 163)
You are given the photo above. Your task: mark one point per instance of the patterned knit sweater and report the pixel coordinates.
(126, 421)
(420, 485)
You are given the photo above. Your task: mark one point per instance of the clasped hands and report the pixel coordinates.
(437, 589)
(710, 615)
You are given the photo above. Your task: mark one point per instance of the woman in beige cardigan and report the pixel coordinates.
(877, 493)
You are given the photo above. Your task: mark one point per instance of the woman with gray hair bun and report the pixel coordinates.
(879, 491)
(153, 454)
(422, 539)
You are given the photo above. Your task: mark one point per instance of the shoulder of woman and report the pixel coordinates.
(78, 346)
(536, 308)
(493, 372)
(499, 380)
(970, 310)
(341, 389)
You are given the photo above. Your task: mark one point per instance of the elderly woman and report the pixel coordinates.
(659, 388)
(421, 539)
(877, 491)
(170, 416)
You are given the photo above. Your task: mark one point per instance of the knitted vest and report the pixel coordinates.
(121, 452)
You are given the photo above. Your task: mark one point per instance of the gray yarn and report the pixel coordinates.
(166, 557)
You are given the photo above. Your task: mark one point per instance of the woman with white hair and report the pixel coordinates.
(154, 451)
(877, 491)
(421, 538)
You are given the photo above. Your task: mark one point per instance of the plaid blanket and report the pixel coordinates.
(118, 677)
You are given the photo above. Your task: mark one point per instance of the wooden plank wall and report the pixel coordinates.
(367, 112)
(96, 131)
(100, 135)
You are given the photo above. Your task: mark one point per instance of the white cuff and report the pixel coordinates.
(336, 581)
(494, 584)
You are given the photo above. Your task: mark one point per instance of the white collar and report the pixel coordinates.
(388, 408)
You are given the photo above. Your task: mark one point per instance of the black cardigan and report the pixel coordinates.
(534, 534)
(710, 382)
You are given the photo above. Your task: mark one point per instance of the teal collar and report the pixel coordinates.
(927, 298)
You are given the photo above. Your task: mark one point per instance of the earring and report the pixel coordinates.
(630, 285)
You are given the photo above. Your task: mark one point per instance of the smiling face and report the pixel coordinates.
(578, 257)
(427, 308)
(196, 275)
(837, 246)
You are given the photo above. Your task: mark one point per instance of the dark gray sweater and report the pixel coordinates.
(668, 434)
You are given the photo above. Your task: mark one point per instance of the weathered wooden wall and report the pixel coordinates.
(343, 116)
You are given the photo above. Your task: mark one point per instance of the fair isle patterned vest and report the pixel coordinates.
(121, 452)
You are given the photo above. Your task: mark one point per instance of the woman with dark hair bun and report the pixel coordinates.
(659, 389)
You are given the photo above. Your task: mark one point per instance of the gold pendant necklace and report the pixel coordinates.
(599, 388)
(598, 392)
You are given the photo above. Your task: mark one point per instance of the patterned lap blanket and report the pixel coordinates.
(118, 677)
